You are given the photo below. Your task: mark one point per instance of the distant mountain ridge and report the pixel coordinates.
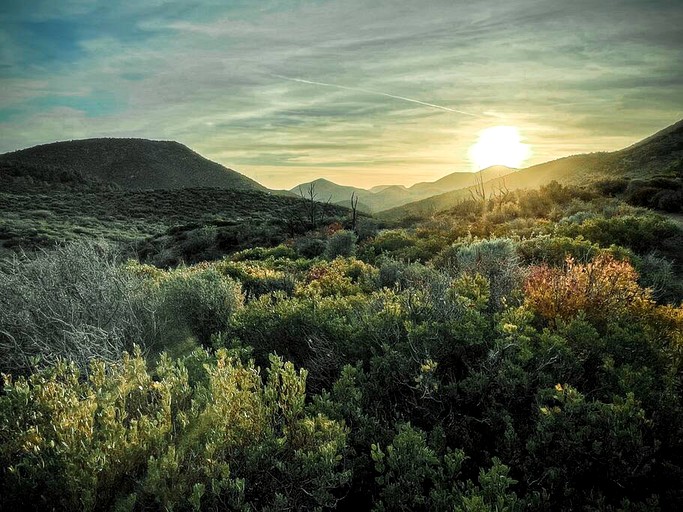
(129, 164)
(660, 154)
(383, 197)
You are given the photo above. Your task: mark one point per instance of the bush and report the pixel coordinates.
(587, 451)
(604, 288)
(201, 300)
(310, 247)
(129, 439)
(75, 302)
(341, 243)
(641, 233)
(658, 274)
(340, 277)
(257, 279)
(554, 250)
(261, 253)
(412, 476)
(496, 259)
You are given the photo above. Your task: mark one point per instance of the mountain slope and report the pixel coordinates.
(326, 190)
(388, 196)
(659, 154)
(459, 180)
(130, 164)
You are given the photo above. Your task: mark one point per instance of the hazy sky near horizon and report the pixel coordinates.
(242, 81)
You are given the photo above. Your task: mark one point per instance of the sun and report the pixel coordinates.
(499, 145)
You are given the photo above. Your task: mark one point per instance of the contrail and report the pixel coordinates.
(378, 93)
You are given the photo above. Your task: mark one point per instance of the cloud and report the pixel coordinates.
(571, 76)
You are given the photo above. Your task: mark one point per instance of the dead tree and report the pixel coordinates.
(354, 210)
(309, 196)
(478, 191)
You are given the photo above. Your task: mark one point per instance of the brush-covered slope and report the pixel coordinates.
(327, 191)
(383, 197)
(129, 164)
(658, 155)
(37, 220)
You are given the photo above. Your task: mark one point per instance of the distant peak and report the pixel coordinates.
(498, 168)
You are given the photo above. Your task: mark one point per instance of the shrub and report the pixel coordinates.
(199, 240)
(642, 233)
(75, 302)
(340, 277)
(127, 438)
(496, 259)
(554, 250)
(412, 476)
(658, 274)
(201, 300)
(587, 451)
(367, 228)
(260, 253)
(341, 243)
(602, 288)
(257, 279)
(310, 247)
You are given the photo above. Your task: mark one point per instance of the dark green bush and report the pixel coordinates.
(201, 301)
(342, 243)
(310, 247)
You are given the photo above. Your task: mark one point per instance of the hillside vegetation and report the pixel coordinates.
(130, 164)
(240, 219)
(658, 156)
(518, 353)
(208, 349)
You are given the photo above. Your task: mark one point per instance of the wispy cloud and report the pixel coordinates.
(287, 90)
(377, 93)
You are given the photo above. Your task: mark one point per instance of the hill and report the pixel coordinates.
(327, 191)
(383, 197)
(236, 218)
(129, 164)
(658, 155)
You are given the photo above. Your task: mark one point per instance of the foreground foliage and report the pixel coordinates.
(202, 434)
(527, 356)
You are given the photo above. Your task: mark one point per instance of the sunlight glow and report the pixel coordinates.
(499, 145)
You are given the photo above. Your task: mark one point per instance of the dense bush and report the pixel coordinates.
(642, 233)
(258, 279)
(201, 300)
(310, 247)
(76, 302)
(342, 243)
(603, 288)
(129, 439)
(523, 355)
(496, 259)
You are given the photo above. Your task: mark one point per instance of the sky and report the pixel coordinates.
(361, 92)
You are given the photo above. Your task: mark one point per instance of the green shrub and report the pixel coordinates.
(261, 253)
(554, 250)
(496, 259)
(641, 233)
(587, 451)
(310, 247)
(257, 279)
(342, 243)
(201, 300)
(126, 438)
(412, 476)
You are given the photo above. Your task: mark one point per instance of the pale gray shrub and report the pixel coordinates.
(75, 302)
(497, 260)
